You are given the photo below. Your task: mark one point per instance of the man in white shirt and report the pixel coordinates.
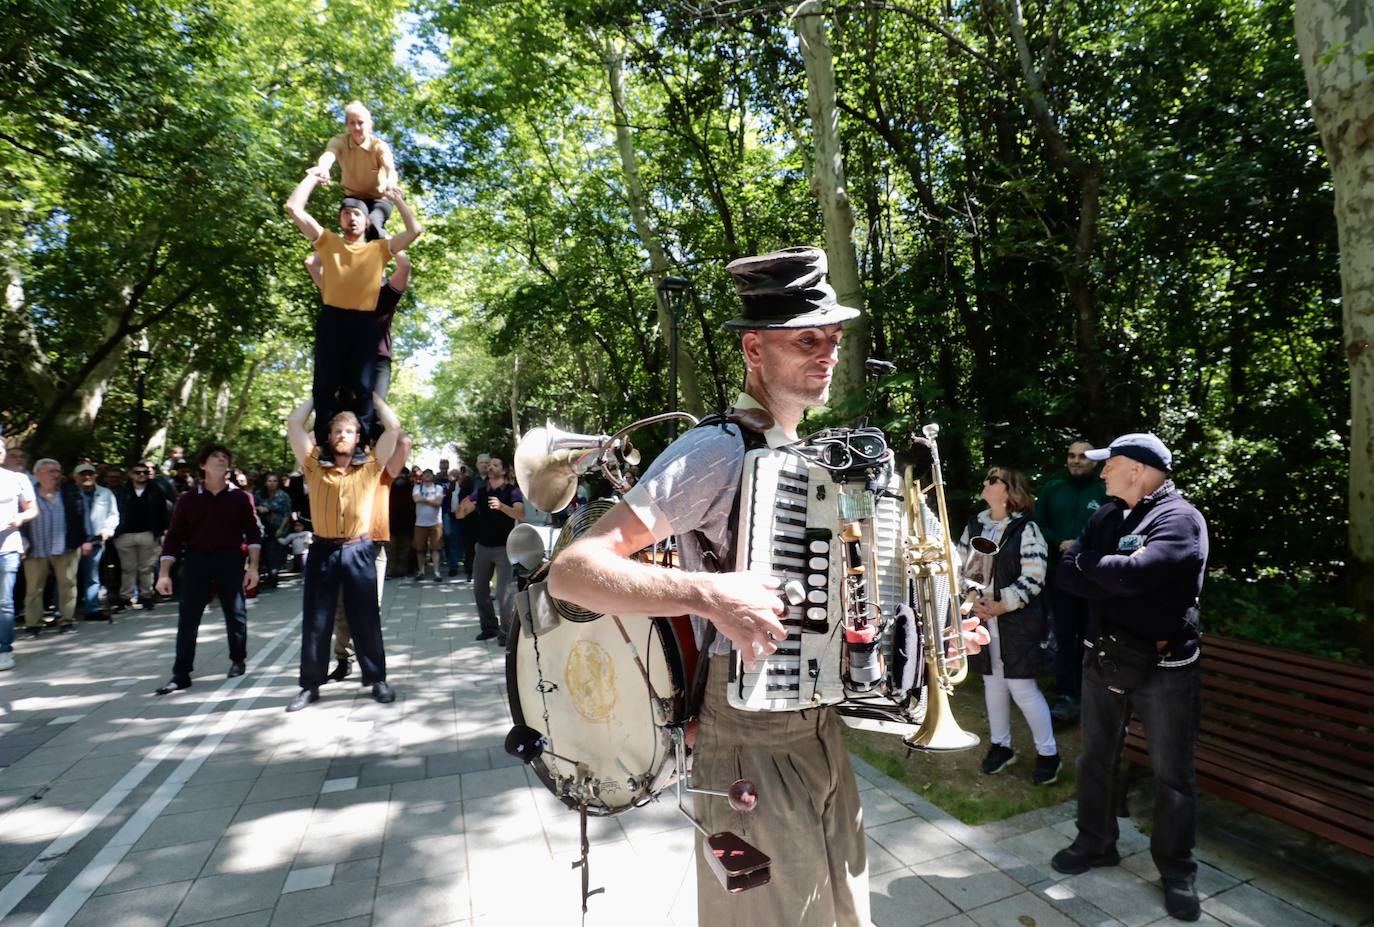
(429, 533)
(16, 507)
(102, 518)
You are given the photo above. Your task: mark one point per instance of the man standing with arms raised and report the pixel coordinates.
(342, 557)
(210, 525)
(497, 506)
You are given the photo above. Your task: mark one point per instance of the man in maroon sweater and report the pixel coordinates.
(210, 525)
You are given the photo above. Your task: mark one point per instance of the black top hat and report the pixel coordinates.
(786, 289)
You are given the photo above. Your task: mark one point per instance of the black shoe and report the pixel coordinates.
(453, 571)
(33, 632)
(172, 686)
(123, 604)
(303, 698)
(383, 693)
(341, 670)
(147, 605)
(66, 629)
(501, 639)
(998, 759)
(97, 616)
(1046, 770)
(235, 669)
(1180, 899)
(1073, 859)
(484, 636)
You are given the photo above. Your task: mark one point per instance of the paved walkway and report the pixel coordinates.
(213, 806)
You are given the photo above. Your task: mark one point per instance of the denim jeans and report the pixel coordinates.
(88, 579)
(1168, 704)
(453, 541)
(9, 569)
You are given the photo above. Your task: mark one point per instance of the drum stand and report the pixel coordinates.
(587, 890)
(738, 864)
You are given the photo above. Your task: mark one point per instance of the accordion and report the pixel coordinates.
(834, 535)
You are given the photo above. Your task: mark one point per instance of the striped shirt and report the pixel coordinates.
(341, 499)
(48, 532)
(1034, 559)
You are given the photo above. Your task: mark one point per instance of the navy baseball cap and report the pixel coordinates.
(1143, 448)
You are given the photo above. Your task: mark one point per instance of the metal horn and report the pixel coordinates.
(548, 462)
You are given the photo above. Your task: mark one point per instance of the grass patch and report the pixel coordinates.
(953, 781)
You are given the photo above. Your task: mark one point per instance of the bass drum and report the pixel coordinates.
(580, 685)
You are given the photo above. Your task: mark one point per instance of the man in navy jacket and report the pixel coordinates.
(1140, 565)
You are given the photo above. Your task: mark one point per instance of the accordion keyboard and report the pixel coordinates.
(791, 514)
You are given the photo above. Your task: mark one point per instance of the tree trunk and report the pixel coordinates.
(688, 379)
(515, 397)
(828, 184)
(1336, 42)
(231, 429)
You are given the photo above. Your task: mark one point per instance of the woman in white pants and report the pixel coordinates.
(1012, 606)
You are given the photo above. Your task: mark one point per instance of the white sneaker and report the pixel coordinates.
(6, 661)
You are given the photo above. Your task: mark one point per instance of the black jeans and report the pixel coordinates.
(378, 211)
(1070, 612)
(381, 385)
(345, 368)
(1168, 704)
(200, 569)
(331, 569)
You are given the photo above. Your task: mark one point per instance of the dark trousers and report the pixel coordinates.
(378, 211)
(381, 385)
(345, 368)
(1070, 613)
(199, 569)
(453, 541)
(1168, 705)
(349, 571)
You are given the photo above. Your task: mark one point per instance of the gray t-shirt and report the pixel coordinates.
(15, 489)
(689, 491)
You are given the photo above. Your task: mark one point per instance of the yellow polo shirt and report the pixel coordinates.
(341, 500)
(352, 272)
(360, 166)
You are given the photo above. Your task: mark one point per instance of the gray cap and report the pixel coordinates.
(1141, 447)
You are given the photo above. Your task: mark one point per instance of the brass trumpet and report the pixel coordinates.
(931, 562)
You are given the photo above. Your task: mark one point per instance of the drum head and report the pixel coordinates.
(584, 678)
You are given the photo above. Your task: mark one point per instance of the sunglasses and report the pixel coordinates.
(138, 470)
(992, 480)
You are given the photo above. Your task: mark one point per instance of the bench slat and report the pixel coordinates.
(1359, 842)
(1295, 744)
(1273, 673)
(1357, 674)
(1317, 715)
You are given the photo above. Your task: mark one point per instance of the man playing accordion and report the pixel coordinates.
(809, 819)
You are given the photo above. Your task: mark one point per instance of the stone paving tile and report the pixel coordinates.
(1247, 906)
(350, 895)
(144, 907)
(270, 787)
(425, 903)
(493, 782)
(1019, 910)
(220, 896)
(966, 879)
(425, 820)
(902, 899)
(175, 863)
(432, 857)
(914, 841)
(457, 762)
(1122, 894)
(881, 808)
(188, 827)
(211, 795)
(386, 772)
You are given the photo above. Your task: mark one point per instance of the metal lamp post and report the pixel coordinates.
(141, 359)
(671, 290)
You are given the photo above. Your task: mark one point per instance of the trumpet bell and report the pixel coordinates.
(546, 465)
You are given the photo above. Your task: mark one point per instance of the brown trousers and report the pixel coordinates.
(808, 819)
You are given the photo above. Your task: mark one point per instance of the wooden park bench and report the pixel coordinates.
(1287, 734)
